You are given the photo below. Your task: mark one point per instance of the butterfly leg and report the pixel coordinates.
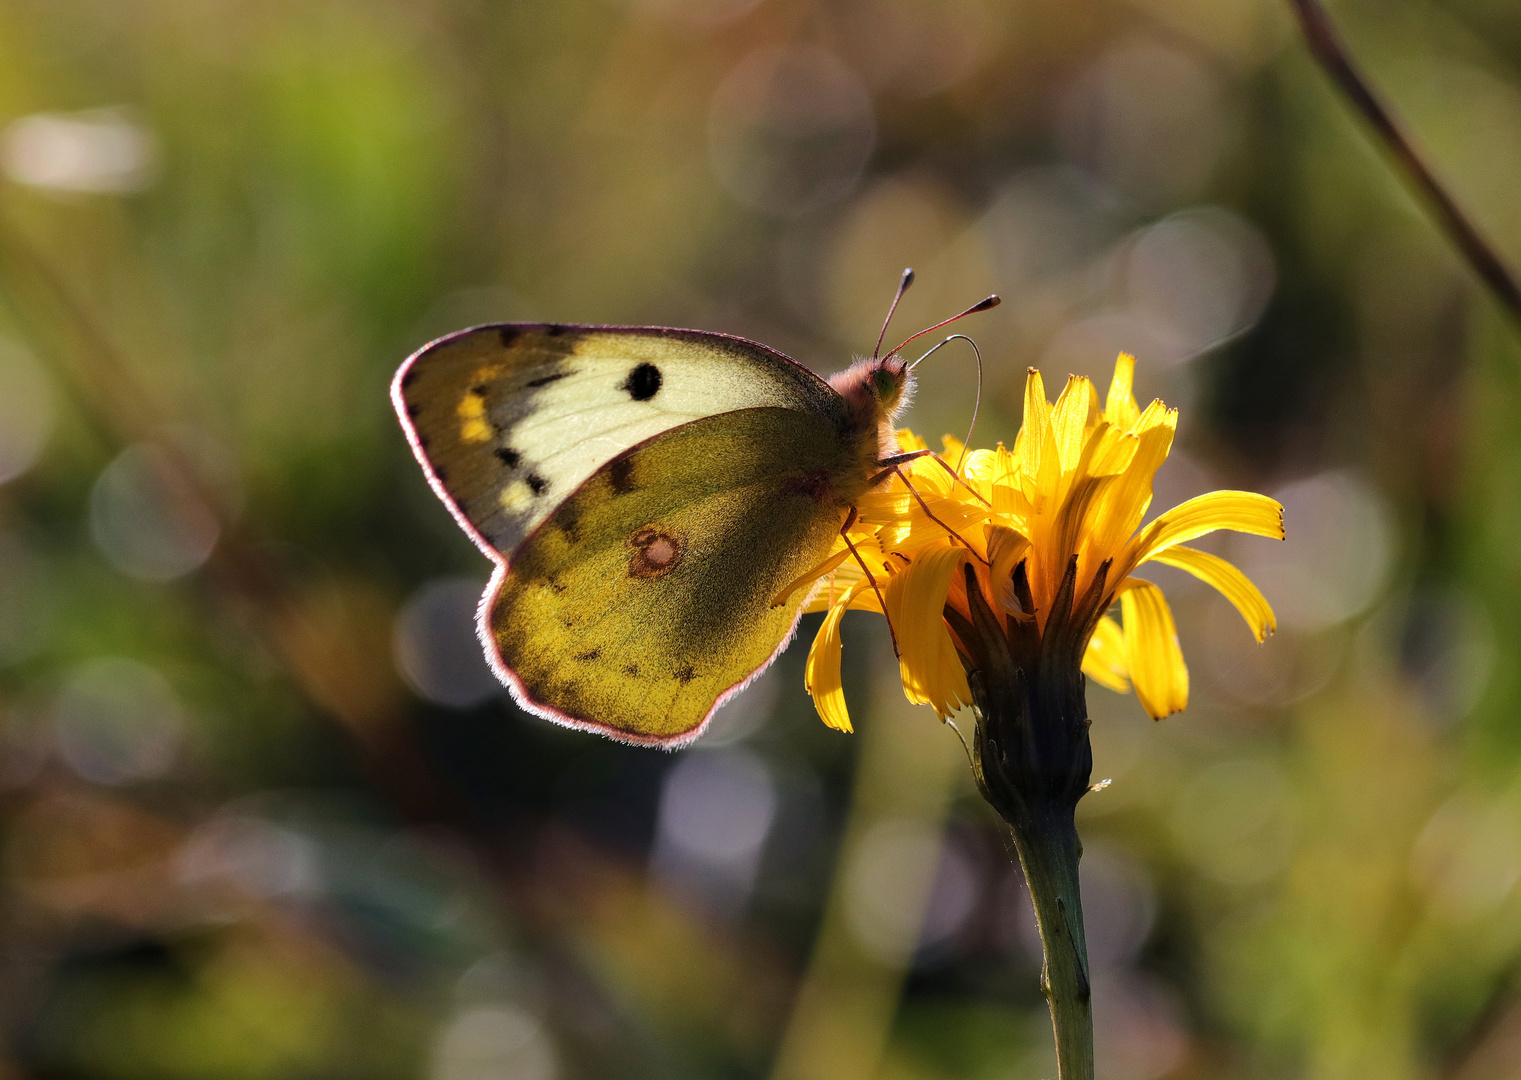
(899, 459)
(850, 519)
(898, 471)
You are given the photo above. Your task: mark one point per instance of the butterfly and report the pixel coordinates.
(645, 493)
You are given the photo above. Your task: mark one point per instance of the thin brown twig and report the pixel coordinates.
(1330, 51)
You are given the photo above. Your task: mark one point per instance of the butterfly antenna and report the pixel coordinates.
(981, 305)
(908, 279)
(977, 406)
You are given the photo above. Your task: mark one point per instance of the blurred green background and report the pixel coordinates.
(265, 814)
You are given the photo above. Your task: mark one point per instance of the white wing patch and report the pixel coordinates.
(510, 420)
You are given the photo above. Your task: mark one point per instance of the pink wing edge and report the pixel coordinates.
(499, 668)
(528, 704)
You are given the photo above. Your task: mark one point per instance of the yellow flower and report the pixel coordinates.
(1036, 545)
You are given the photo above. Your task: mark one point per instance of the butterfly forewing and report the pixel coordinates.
(510, 420)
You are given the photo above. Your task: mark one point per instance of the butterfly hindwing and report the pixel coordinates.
(510, 420)
(645, 598)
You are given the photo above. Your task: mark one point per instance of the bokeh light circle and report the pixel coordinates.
(790, 130)
(117, 720)
(147, 519)
(436, 647)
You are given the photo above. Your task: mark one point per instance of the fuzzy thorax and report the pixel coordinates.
(876, 391)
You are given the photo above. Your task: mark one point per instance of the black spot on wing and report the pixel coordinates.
(413, 410)
(620, 474)
(685, 674)
(508, 456)
(643, 382)
(589, 655)
(631, 670)
(409, 378)
(545, 380)
(508, 334)
(536, 483)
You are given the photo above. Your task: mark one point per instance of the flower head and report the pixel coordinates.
(1033, 546)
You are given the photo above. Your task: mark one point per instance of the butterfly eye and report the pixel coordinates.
(884, 383)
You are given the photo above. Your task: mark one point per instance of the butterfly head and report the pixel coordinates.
(875, 391)
(881, 387)
(889, 380)
(892, 383)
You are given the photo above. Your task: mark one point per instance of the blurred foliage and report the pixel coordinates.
(264, 814)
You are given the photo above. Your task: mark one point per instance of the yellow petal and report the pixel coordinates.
(1232, 583)
(930, 476)
(1113, 450)
(1069, 420)
(1005, 466)
(1156, 662)
(885, 505)
(1005, 548)
(829, 593)
(1242, 511)
(1120, 408)
(821, 675)
(840, 585)
(1119, 508)
(1070, 520)
(1156, 415)
(809, 576)
(1007, 499)
(913, 526)
(1104, 660)
(909, 442)
(980, 471)
(1036, 444)
(931, 671)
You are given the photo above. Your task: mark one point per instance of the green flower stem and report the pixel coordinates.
(1032, 761)
(1045, 836)
(1048, 853)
